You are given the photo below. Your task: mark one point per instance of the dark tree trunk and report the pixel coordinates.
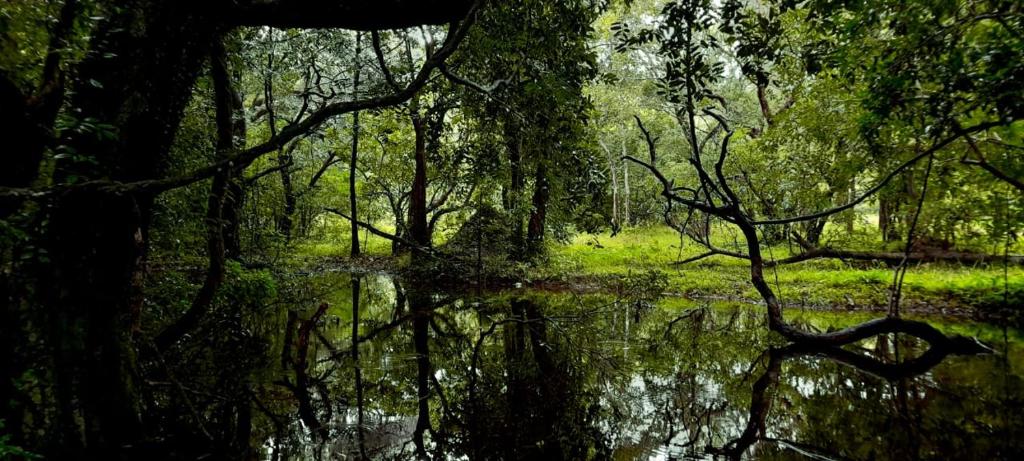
(887, 212)
(234, 197)
(814, 230)
(96, 243)
(418, 232)
(538, 213)
(513, 199)
(26, 138)
(286, 222)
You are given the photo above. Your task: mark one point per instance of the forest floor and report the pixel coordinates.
(601, 262)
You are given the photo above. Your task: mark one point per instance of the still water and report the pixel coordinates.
(386, 370)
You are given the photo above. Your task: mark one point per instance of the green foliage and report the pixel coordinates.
(8, 451)
(247, 286)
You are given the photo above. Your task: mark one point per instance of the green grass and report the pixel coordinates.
(656, 248)
(334, 240)
(820, 282)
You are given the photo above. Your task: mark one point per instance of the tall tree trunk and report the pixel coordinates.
(285, 222)
(538, 213)
(353, 159)
(513, 202)
(27, 139)
(234, 198)
(418, 199)
(96, 252)
(417, 229)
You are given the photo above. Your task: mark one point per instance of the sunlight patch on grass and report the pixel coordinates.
(820, 282)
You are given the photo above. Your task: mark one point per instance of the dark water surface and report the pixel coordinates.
(528, 375)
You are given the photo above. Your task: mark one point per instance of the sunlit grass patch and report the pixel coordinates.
(816, 282)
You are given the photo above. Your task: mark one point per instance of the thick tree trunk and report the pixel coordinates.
(513, 201)
(538, 213)
(286, 223)
(97, 247)
(418, 232)
(234, 197)
(26, 138)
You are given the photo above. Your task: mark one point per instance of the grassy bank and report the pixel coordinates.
(812, 283)
(596, 260)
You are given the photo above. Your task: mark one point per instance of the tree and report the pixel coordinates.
(687, 40)
(540, 65)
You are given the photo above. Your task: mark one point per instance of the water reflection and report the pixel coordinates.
(403, 372)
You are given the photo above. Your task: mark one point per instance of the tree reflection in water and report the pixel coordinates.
(403, 372)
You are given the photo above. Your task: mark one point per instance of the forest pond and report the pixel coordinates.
(397, 372)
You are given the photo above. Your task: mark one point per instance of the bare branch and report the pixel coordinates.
(379, 52)
(332, 159)
(710, 253)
